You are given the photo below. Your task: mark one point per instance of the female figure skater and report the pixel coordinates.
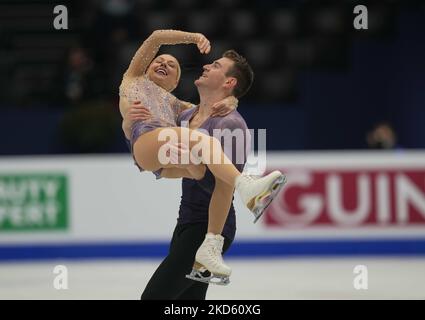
(150, 81)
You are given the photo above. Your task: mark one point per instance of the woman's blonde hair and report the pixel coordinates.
(179, 73)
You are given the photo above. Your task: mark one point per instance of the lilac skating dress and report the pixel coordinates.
(163, 106)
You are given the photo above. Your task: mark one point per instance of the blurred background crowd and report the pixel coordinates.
(319, 83)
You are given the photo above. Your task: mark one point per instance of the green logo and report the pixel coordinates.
(30, 202)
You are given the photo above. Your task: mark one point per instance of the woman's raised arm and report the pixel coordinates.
(148, 50)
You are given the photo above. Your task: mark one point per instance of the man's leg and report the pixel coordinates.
(220, 203)
(169, 280)
(196, 291)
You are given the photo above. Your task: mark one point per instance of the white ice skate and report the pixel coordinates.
(209, 258)
(258, 192)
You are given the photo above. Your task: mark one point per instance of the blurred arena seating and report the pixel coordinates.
(278, 39)
(323, 84)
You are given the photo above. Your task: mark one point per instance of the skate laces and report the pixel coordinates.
(214, 251)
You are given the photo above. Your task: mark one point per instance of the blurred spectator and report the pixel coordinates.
(117, 7)
(115, 24)
(90, 125)
(114, 30)
(382, 136)
(79, 79)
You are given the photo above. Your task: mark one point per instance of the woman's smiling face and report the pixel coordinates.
(164, 71)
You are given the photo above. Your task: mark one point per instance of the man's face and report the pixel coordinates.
(214, 75)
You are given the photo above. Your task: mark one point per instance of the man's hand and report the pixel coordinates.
(138, 112)
(224, 107)
(135, 113)
(179, 154)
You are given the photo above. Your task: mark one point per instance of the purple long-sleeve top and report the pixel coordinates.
(196, 195)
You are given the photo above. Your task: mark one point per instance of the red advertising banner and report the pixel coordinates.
(350, 198)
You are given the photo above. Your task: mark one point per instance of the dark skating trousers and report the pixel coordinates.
(169, 280)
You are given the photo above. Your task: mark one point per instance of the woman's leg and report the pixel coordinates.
(256, 194)
(147, 151)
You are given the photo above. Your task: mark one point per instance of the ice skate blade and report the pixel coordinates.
(212, 279)
(267, 197)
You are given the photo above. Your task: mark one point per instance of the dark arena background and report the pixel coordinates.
(339, 87)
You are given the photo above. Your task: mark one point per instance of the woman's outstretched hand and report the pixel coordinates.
(203, 44)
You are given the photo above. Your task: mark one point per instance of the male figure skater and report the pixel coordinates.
(169, 280)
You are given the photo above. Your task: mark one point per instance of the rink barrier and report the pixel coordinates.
(240, 249)
(90, 207)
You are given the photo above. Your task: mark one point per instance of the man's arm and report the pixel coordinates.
(220, 108)
(135, 112)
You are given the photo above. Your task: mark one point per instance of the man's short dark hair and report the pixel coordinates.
(242, 71)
